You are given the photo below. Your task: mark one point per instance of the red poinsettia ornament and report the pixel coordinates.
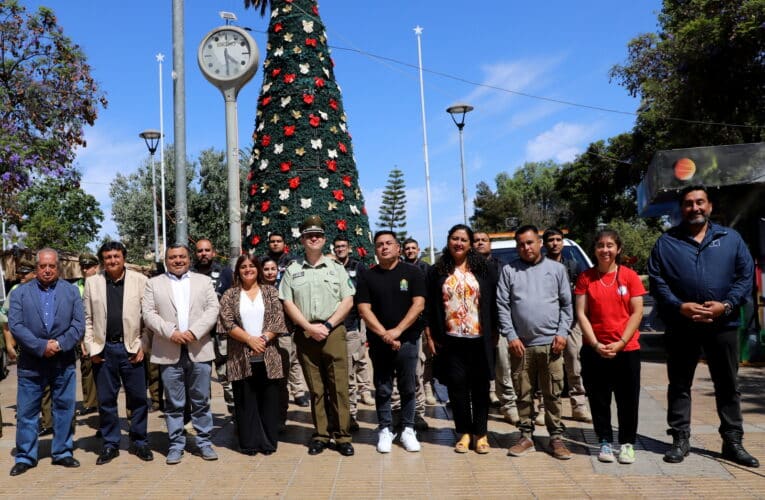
(338, 194)
(294, 182)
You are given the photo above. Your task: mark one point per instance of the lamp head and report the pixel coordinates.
(151, 137)
(459, 109)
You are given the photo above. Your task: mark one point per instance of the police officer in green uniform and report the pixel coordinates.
(318, 294)
(88, 268)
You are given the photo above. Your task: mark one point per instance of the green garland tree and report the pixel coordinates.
(302, 158)
(393, 206)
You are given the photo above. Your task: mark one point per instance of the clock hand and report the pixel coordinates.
(226, 58)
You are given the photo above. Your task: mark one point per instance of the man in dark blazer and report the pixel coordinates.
(46, 319)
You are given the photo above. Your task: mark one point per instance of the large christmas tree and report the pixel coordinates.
(302, 160)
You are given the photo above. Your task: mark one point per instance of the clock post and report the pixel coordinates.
(228, 58)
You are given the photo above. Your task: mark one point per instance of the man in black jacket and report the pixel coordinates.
(700, 275)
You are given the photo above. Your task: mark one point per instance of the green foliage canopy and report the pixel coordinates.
(59, 215)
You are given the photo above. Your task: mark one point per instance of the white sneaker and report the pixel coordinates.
(606, 452)
(409, 440)
(385, 440)
(627, 454)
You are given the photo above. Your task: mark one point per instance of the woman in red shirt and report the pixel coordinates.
(609, 307)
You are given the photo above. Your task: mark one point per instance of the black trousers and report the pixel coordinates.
(620, 377)
(468, 384)
(683, 353)
(258, 413)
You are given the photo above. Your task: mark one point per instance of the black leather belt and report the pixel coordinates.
(115, 341)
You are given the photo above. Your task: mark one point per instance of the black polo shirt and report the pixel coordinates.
(115, 291)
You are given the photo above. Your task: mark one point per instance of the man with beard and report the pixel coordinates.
(222, 277)
(700, 274)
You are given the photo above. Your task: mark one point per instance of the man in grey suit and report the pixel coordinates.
(181, 309)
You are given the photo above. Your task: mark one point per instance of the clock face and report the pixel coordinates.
(225, 55)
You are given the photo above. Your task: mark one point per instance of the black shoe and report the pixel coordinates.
(420, 424)
(87, 410)
(345, 449)
(303, 401)
(679, 450)
(107, 455)
(45, 431)
(20, 468)
(735, 452)
(315, 447)
(354, 425)
(69, 462)
(142, 452)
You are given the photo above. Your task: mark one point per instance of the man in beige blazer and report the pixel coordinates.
(180, 308)
(115, 341)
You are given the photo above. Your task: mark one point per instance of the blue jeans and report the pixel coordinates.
(186, 374)
(387, 363)
(28, 401)
(115, 369)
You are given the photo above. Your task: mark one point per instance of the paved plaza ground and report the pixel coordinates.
(436, 472)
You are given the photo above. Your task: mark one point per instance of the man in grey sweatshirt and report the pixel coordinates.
(534, 302)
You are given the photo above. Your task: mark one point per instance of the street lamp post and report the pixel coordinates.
(152, 137)
(461, 110)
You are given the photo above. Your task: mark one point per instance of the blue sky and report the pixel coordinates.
(555, 49)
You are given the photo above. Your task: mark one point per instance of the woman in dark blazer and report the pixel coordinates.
(462, 311)
(252, 316)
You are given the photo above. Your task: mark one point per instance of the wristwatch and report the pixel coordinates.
(728, 308)
(329, 325)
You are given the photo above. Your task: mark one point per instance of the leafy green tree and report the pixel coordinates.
(530, 196)
(600, 184)
(208, 199)
(132, 206)
(302, 158)
(393, 206)
(59, 215)
(492, 210)
(703, 69)
(47, 95)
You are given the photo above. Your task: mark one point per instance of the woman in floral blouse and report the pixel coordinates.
(462, 310)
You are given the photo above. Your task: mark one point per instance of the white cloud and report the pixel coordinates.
(100, 162)
(516, 75)
(561, 143)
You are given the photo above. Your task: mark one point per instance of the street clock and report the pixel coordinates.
(228, 57)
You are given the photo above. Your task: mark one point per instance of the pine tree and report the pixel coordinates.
(302, 159)
(393, 207)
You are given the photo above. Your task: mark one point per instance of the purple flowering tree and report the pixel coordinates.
(47, 95)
